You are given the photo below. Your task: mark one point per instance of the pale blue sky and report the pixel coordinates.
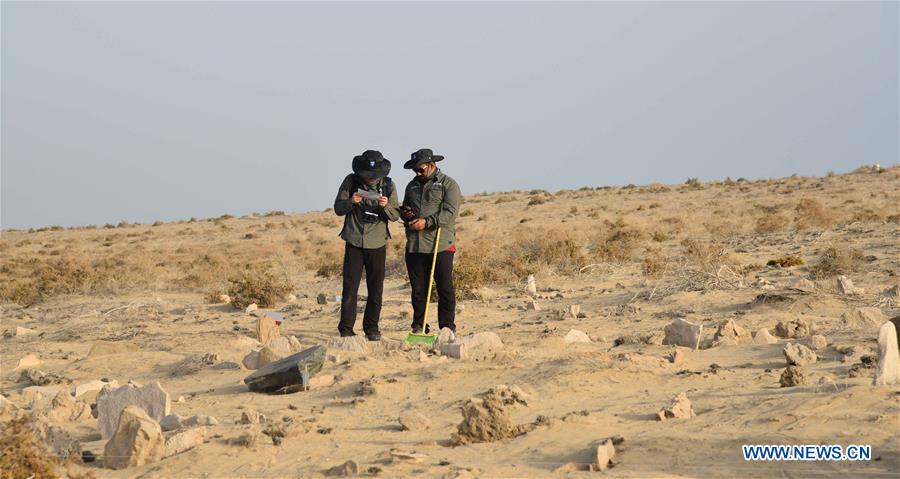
(146, 111)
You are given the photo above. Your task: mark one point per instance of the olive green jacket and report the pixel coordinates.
(437, 200)
(357, 231)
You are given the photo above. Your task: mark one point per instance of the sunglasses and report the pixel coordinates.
(419, 170)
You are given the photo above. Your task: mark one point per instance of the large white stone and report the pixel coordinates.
(94, 385)
(681, 332)
(887, 371)
(29, 361)
(576, 336)
(354, 344)
(481, 341)
(136, 441)
(185, 440)
(153, 399)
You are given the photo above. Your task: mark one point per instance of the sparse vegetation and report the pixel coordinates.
(836, 260)
(257, 285)
(22, 455)
(811, 212)
(786, 261)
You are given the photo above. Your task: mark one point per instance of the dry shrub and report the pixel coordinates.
(466, 212)
(786, 261)
(619, 244)
(654, 263)
(836, 260)
(770, 223)
(330, 266)
(21, 454)
(42, 279)
(867, 216)
(536, 200)
(812, 213)
(257, 285)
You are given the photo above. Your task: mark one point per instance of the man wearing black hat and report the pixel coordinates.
(431, 201)
(367, 199)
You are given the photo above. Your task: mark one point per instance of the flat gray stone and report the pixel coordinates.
(681, 332)
(185, 440)
(354, 344)
(292, 372)
(153, 399)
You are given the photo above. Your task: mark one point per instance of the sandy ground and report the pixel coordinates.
(588, 391)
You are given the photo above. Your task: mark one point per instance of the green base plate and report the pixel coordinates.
(416, 338)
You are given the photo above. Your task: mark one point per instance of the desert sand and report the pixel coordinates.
(697, 251)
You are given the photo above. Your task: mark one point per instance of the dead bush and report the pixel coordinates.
(653, 264)
(619, 244)
(812, 213)
(786, 261)
(22, 455)
(836, 260)
(257, 285)
(536, 200)
(770, 223)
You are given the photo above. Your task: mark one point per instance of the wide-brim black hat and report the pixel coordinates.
(371, 165)
(424, 155)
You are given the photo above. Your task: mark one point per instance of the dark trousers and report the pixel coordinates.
(418, 265)
(354, 261)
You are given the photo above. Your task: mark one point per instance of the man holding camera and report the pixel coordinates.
(431, 201)
(367, 199)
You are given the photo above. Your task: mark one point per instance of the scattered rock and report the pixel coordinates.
(200, 420)
(251, 360)
(137, 440)
(532, 305)
(677, 357)
(57, 440)
(486, 419)
(793, 376)
(24, 332)
(224, 299)
(250, 416)
(845, 286)
(574, 311)
(407, 456)
(446, 335)
(95, 385)
(803, 285)
(226, 365)
(171, 422)
(246, 439)
(354, 344)
(251, 308)
(863, 318)
(266, 356)
(796, 328)
(683, 333)
(477, 342)
(321, 298)
(455, 350)
(605, 452)
(887, 371)
(531, 285)
(348, 468)
(266, 329)
(289, 374)
(29, 361)
(866, 364)
(817, 342)
(730, 330)
(764, 337)
(576, 336)
(152, 399)
(798, 355)
(413, 420)
(679, 408)
(185, 440)
(40, 378)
